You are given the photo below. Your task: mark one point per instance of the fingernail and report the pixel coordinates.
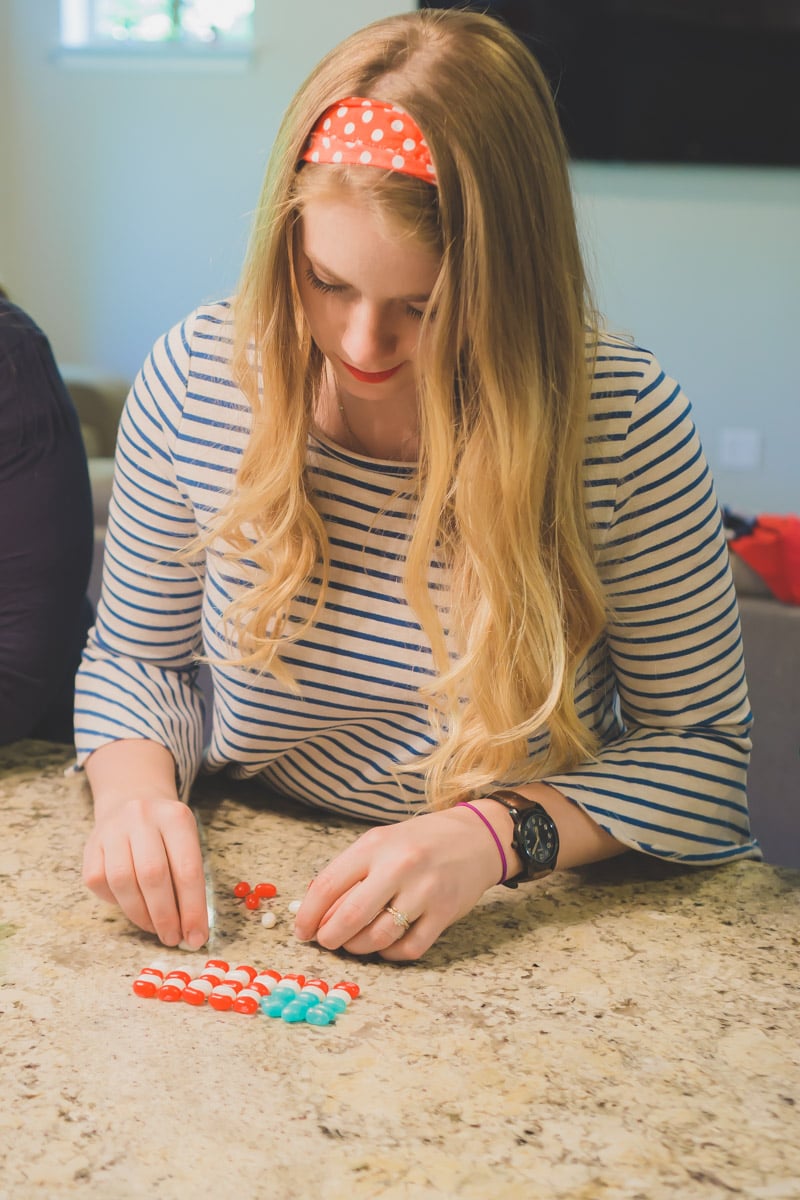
(195, 939)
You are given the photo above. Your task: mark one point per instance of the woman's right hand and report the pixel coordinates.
(144, 851)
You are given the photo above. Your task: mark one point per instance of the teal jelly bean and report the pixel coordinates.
(271, 1007)
(336, 1003)
(320, 1015)
(283, 993)
(294, 1012)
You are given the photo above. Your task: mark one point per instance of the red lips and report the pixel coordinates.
(370, 376)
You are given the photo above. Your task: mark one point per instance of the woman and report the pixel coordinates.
(450, 550)
(46, 537)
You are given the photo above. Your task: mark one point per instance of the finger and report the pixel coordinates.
(336, 905)
(412, 945)
(379, 935)
(120, 874)
(94, 873)
(153, 880)
(349, 915)
(185, 858)
(327, 891)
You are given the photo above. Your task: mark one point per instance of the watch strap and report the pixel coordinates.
(518, 805)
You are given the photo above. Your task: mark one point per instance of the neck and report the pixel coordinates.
(363, 428)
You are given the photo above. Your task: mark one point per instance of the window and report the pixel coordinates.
(136, 25)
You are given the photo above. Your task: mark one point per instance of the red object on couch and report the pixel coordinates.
(772, 549)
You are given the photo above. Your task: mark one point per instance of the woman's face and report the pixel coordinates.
(364, 291)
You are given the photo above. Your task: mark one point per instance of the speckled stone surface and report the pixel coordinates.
(626, 1032)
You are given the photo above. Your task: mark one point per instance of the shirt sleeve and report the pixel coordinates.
(674, 783)
(46, 537)
(138, 674)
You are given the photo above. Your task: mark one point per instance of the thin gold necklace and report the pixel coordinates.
(355, 444)
(359, 447)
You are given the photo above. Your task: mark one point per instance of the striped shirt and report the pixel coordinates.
(664, 687)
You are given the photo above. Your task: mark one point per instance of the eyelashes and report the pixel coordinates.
(335, 289)
(320, 284)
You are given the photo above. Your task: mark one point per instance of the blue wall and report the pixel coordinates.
(126, 197)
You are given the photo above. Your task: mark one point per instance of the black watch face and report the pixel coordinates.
(538, 838)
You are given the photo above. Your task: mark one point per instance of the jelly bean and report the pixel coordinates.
(316, 992)
(352, 989)
(198, 991)
(223, 996)
(174, 983)
(298, 979)
(266, 979)
(320, 1015)
(294, 1012)
(271, 1007)
(319, 983)
(148, 982)
(246, 1002)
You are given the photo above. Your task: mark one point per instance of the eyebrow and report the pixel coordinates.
(337, 280)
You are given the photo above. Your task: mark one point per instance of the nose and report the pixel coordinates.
(369, 340)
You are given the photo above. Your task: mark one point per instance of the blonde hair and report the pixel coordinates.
(503, 396)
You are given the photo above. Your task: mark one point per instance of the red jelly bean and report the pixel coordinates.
(221, 1001)
(252, 901)
(193, 995)
(352, 989)
(171, 991)
(241, 889)
(301, 979)
(148, 983)
(320, 983)
(245, 1004)
(265, 891)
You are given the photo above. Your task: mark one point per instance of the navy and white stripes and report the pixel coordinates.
(665, 688)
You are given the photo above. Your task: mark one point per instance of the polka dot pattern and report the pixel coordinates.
(372, 133)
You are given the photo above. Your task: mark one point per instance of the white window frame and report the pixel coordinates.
(79, 47)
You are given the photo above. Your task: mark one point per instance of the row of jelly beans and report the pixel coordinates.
(243, 989)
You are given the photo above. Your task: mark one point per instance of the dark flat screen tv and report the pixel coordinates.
(668, 81)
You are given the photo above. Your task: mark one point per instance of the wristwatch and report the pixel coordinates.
(535, 836)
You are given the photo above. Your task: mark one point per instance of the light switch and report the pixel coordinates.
(740, 448)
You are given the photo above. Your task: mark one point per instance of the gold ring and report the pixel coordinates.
(400, 919)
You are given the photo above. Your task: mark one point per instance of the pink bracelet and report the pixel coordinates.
(497, 842)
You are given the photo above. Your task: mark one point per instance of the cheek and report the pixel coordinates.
(315, 313)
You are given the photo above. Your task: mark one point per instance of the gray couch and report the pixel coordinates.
(771, 634)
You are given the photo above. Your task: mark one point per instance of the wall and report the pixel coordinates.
(702, 265)
(6, 148)
(134, 188)
(132, 192)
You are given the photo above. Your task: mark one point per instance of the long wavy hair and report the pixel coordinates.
(503, 397)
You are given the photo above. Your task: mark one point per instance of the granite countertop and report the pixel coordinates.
(629, 1031)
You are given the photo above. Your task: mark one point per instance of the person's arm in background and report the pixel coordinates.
(46, 537)
(138, 709)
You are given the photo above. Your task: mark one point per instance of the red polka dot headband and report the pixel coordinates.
(370, 133)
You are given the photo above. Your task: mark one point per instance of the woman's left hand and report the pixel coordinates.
(432, 869)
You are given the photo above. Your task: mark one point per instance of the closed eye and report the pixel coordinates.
(321, 285)
(335, 289)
